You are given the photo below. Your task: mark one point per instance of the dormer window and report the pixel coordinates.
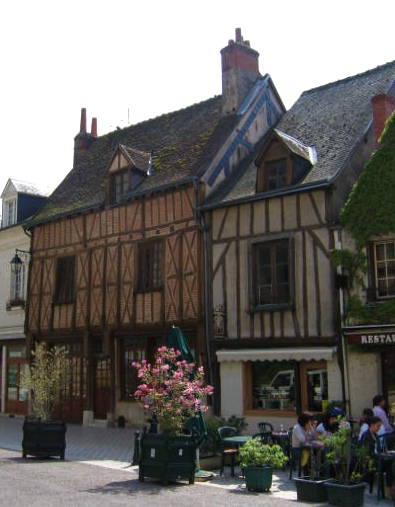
(120, 185)
(9, 212)
(127, 169)
(283, 161)
(276, 171)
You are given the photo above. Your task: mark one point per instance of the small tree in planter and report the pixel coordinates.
(257, 461)
(47, 373)
(351, 463)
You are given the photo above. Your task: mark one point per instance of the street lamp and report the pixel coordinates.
(16, 262)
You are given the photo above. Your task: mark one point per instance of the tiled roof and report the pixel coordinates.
(181, 143)
(331, 119)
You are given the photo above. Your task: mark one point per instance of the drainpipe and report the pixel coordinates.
(200, 219)
(345, 377)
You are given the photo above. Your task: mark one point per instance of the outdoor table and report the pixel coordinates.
(381, 458)
(237, 439)
(317, 446)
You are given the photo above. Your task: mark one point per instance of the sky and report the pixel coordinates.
(129, 61)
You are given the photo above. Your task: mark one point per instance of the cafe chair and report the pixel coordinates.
(265, 437)
(229, 452)
(265, 426)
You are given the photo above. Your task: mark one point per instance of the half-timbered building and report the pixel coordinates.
(118, 252)
(276, 332)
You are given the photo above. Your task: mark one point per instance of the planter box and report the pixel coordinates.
(43, 438)
(167, 458)
(258, 478)
(311, 490)
(344, 495)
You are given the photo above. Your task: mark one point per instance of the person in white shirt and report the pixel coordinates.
(378, 411)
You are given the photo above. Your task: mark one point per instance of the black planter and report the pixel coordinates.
(311, 490)
(43, 439)
(344, 495)
(167, 458)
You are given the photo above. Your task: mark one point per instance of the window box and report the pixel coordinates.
(16, 302)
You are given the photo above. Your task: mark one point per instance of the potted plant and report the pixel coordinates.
(257, 461)
(311, 488)
(44, 378)
(172, 393)
(351, 463)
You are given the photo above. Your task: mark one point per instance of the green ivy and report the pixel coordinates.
(370, 209)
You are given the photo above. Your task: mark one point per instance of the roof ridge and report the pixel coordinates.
(350, 78)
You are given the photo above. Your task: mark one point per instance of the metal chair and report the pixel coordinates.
(227, 449)
(265, 437)
(265, 426)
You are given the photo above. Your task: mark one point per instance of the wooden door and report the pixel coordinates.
(101, 388)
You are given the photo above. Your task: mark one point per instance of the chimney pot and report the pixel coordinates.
(94, 127)
(383, 105)
(83, 120)
(239, 38)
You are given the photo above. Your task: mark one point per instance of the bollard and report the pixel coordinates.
(136, 452)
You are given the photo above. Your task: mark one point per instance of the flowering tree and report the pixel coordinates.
(172, 390)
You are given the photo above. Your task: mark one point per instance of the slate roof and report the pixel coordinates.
(181, 143)
(331, 119)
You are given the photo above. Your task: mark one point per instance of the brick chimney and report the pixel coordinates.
(383, 105)
(83, 139)
(240, 70)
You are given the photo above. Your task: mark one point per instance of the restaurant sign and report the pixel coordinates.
(369, 339)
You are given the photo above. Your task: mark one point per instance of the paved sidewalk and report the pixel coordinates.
(113, 448)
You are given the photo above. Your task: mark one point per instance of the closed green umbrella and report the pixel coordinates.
(176, 340)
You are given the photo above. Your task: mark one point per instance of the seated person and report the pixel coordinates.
(328, 425)
(371, 440)
(303, 432)
(367, 414)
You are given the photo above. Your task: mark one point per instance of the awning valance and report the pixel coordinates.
(288, 354)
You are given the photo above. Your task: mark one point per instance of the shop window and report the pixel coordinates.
(384, 269)
(65, 291)
(150, 266)
(271, 272)
(286, 386)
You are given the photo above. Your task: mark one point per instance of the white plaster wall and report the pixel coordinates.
(364, 370)
(231, 389)
(11, 321)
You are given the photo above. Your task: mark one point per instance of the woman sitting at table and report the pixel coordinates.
(371, 440)
(328, 425)
(303, 432)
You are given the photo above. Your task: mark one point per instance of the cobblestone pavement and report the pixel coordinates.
(112, 448)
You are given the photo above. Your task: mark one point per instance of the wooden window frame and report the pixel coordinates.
(374, 270)
(65, 280)
(119, 185)
(150, 266)
(255, 289)
(265, 168)
(129, 380)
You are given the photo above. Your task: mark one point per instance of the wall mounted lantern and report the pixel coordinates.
(16, 262)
